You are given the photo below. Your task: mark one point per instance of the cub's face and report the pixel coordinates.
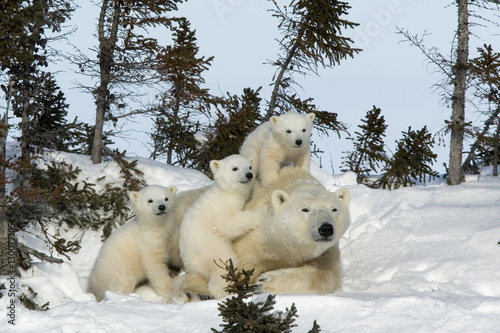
(316, 217)
(293, 128)
(232, 171)
(153, 200)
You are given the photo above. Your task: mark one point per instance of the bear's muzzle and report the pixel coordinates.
(326, 230)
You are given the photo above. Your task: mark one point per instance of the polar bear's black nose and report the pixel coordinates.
(326, 230)
(249, 175)
(298, 142)
(162, 208)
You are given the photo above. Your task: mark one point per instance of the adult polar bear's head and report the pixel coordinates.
(152, 202)
(310, 217)
(293, 128)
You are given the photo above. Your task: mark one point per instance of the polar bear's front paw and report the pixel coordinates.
(176, 298)
(272, 282)
(185, 297)
(203, 297)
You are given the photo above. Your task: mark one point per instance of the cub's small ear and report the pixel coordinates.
(172, 189)
(343, 195)
(134, 196)
(214, 165)
(279, 198)
(274, 120)
(311, 116)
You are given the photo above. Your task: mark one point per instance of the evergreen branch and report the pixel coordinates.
(487, 124)
(39, 255)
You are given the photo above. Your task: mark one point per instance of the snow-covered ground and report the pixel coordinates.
(420, 259)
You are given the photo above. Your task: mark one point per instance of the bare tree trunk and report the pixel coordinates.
(496, 151)
(457, 125)
(26, 111)
(5, 267)
(106, 61)
(279, 79)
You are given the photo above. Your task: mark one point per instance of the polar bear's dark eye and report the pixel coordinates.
(150, 200)
(304, 130)
(288, 131)
(305, 210)
(334, 209)
(235, 169)
(250, 168)
(166, 199)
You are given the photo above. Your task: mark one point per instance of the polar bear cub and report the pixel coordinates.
(281, 141)
(139, 249)
(208, 226)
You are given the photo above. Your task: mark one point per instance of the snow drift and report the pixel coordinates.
(420, 259)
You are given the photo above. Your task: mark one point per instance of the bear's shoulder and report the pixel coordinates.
(291, 179)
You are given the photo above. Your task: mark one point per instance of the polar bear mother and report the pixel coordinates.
(281, 141)
(295, 247)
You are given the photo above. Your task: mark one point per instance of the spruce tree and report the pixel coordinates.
(315, 328)
(311, 37)
(485, 74)
(237, 117)
(23, 52)
(241, 315)
(488, 150)
(47, 125)
(411, 161)
(368, 153)
(82, 136)
(185, 102)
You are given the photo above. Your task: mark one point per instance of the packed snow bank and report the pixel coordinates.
(421, 259)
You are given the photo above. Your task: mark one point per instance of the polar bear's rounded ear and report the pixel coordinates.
(134, 196)
(311, 116)
(278, 198)
(172, 189)
(214, 165)
(274, 120)
(343, 195)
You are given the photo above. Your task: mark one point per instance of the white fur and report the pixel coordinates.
(294, 249)
(209, 225)
(141, 248)
(281, 141)
(303, 252)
